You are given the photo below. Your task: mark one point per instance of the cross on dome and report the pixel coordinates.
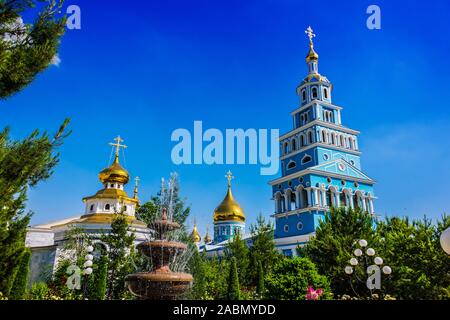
(229, 177)
(118, 144)
(310, 32)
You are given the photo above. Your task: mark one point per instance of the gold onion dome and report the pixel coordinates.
(312, 55)
(207, 238)
(114, 173)
(195, 236)
(229, 209)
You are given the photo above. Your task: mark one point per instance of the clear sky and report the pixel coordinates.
(144, 68)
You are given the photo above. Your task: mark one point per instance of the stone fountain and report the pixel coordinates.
(160, 283)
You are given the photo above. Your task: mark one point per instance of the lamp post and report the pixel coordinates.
(87, 266)
(366, 254)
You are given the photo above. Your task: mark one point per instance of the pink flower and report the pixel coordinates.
(313, 294)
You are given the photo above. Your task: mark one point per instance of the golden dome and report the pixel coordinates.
(195, 235)
(229, 209)
(114, 173)
(312, 55)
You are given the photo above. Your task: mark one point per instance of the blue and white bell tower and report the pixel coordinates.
(320, 163)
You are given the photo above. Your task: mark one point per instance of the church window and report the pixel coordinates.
(299, 226)
(326, 156)
(304, 95)
(314, 93)
(333, 138)
(342, 142)
(343, 182)
(306, 159)
(329, 198)
(107, 207)
(352, 162)
(291, 165)
(294, 144)
(125, 208)
(92, 207)
(324, 137)
(302, 141)
(325, 93)
(286, 148)
(286, 228)
(301, 179)
(310, 137)
(329, 180)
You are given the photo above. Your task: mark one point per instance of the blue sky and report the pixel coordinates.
(143, 69)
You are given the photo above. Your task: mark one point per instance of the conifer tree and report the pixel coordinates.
(27, 49)
(121, 253)
(23, 164)
(233, 292)
(238, 249)
(98, 284)
(260, 285)
(19, 287)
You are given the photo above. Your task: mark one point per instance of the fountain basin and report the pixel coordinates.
(159, 284)
(161, 252)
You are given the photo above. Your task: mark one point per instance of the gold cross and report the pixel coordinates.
(136, 180)
(229, 177)
(311, 35)
(117, 144)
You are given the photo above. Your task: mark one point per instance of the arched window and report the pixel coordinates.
(291, 165)
(310, 137)
(302, 141)
(125, 208)
(107, 207)
(342, 141)
(286, 148)
(304, 95)
(306, 159)
(294, 144)
(92, 207)
(333, 138)
(325, 93)
(314, 93)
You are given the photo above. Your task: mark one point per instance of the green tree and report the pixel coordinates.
(333, 245)
(121, 252)
(237, 248)
(23, 164)
(263, 248)
(420, 268)
(291, 277)
(260, 285)
(27, 49)
(98, 284)
(233, 291)
(21, 280)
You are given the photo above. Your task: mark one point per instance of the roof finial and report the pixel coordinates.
(310, 32)
(229, 177)
(118, 140)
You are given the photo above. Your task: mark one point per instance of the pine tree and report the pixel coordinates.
(23, 164)
(19, 287)
(263, 247)
(121, 252)
(233, 292)
(260, 285)
(27, 49)
(238, 249)
(98, 284)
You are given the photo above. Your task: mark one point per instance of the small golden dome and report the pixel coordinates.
(207, 237)
(229, 209)
(312, 55)
(195, 236)
(114, 173)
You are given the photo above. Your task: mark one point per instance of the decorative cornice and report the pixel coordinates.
(321, 144)
(319, 123)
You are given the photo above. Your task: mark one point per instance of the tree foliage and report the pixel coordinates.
(233, 290)
(23, 164)
(27, 49)
(291, 277)
(332, 246)
(20, 284)
(420, 268)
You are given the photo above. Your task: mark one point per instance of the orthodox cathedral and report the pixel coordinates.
(320, 169)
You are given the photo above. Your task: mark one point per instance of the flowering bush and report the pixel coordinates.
(312, 294)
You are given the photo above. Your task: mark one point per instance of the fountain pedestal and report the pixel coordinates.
(160, 283)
